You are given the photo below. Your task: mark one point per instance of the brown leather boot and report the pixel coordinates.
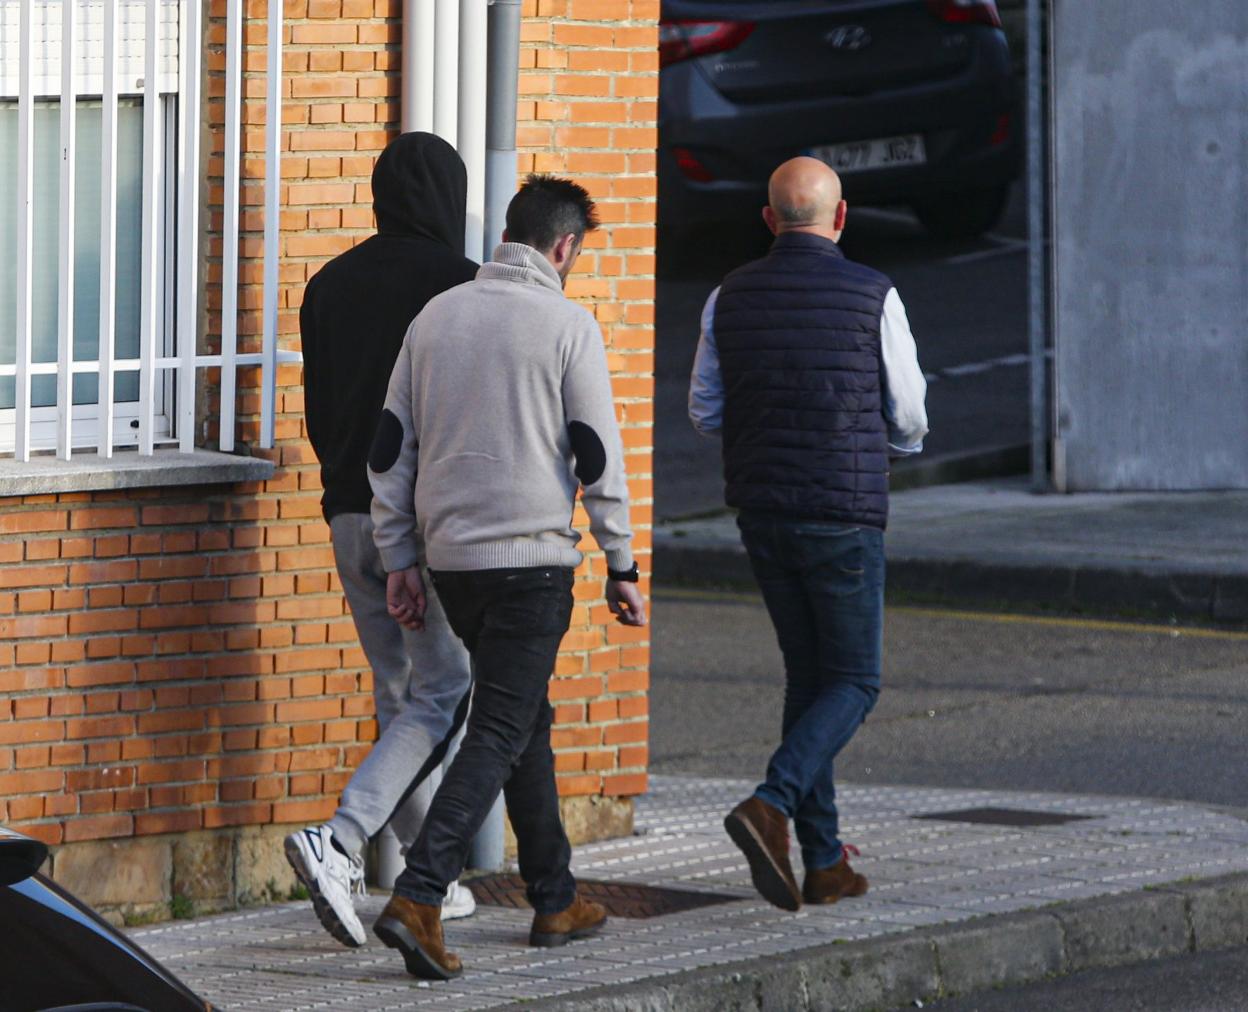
(762, 833)
(827, 885)
(582, 918)
(415, 929)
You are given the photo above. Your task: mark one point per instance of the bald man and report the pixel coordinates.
(807, 367)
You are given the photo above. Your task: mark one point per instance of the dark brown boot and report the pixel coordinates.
(762, 833)
(415, 929)
(582, 918)
(827, 885)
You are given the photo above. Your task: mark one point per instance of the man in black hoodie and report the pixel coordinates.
(355, 313)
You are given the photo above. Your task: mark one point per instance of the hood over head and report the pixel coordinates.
(420, 188)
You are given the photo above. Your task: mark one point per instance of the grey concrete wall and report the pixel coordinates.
(1150, 204)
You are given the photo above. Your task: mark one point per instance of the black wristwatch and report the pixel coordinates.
(630, 575)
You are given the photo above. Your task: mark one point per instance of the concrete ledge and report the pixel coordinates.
(1125, 929)
(970, 465)
(1092, 588)
(1064, 588)
(46, 475)
(696, 566)
(1218, 911)
(141, 880)
(961, 958)
(1000, 951)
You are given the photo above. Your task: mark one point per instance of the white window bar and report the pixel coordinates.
(151, 265)
(65, 247)
(229, 229)
(272, 194)
(108, 233)
(188, 221)
(25, 228)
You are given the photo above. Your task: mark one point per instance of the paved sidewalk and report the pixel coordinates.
(1180, 555)
(924, 872)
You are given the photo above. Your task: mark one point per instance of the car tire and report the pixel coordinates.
(963, 214)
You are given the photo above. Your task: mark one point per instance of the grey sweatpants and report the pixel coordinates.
(419, 679)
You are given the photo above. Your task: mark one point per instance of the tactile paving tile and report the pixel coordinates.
(1003, 817)
(923, 872)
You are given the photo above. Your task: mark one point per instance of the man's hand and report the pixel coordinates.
(626, 602)
(405, 598)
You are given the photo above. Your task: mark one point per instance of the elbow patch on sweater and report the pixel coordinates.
(591, 455)
(387, 442)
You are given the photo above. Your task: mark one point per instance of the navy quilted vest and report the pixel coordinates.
(798, 334)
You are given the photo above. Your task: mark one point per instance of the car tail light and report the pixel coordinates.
(683, 40)
(976, 12)
(1002, 133)
(690, 167)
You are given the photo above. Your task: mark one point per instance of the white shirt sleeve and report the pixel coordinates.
(706, 388)
(901, 379)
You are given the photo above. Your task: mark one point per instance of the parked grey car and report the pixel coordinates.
(911, 101)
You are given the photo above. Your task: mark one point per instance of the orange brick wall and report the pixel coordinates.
(177, 659)
(588, 109)
(159, 668)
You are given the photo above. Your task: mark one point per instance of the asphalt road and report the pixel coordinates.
(967, 305)
(1209, 982)
(970, 701)
(992, 701)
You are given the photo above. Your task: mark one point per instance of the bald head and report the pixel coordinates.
(804, 193)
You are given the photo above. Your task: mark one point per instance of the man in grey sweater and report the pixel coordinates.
(499, 408)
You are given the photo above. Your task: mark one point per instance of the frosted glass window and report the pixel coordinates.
(86, 246)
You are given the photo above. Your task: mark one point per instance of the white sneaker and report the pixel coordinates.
(331, 878)
(458, 902)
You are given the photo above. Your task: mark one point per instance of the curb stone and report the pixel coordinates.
(1152, 591)
(1126, 929)
(966, 465)
(1081, 589)
(930, 963)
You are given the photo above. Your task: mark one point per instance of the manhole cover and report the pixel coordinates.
(621, 899)
(1004, 817)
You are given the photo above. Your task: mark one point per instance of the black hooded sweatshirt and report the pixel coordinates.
(357, 308)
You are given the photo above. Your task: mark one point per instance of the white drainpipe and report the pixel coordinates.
(500, 117)
(418, 59)
(445, 91)
(472, 117)
(446, 70)
(499, 186)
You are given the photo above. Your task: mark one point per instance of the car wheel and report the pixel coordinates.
(963, 214)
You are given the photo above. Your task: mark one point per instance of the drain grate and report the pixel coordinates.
(621, 899)
(1019, 817)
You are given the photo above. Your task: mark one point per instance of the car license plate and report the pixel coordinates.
(884, 153)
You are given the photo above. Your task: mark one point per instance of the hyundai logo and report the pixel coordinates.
(851, 37)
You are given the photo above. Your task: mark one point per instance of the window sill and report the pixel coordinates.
(88, 472)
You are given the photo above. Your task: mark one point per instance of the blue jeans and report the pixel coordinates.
(823, 584)
(512, 622)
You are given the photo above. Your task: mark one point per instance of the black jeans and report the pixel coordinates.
(512, 622)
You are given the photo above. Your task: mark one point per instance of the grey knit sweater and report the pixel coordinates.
(499, 407)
